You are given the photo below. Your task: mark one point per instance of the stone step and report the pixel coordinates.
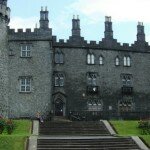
(64, 128)
(106, 143)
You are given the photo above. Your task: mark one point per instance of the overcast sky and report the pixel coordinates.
(125, 15)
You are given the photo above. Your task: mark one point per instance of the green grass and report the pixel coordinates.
(17, 140)
(129, 128)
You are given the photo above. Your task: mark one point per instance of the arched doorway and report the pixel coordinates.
(59, 107)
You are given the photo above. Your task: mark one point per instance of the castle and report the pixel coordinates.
(39, 73)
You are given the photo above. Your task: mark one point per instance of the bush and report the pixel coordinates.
(2, 125)
(144, 125)
(10, 126)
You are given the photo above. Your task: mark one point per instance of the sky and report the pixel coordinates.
(125, 16)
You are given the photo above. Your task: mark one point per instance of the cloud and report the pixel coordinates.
(120, 10)
(23, 23)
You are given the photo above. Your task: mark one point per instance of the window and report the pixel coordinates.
(127, 80)
(90, 59)
(94, 105)
(25, 84)
(126, 105)
(59, 58)
(91, 79)
(127, 61)
(101, 60)
(25, 50)
(117, 62)
(59, 79)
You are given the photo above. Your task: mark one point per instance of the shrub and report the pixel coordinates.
(144, 125)
(2, 125)
(10, 126)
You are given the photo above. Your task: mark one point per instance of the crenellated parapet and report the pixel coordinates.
(107, 45)
(37, 34)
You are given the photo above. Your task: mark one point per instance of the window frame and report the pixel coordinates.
(24, 84)
(90, 59)
(59, 80)
(101, 60)
(127, 61)
(59, 57)
(117, 61)
(25, 53)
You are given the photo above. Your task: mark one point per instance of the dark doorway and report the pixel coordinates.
(59, 107)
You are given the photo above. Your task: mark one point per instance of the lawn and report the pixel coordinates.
(17, 140)
(129, 128)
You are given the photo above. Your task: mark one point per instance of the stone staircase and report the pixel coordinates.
(87, 144)
(73, 128)
(81, 135)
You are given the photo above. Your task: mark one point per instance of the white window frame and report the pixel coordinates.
(26, 51)
(26, 84)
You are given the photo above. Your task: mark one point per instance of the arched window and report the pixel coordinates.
(127, 61)
(59, 57)
(117, 62)
(101, 60)
(90, 59)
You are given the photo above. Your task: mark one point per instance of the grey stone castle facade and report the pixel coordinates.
(39, 73)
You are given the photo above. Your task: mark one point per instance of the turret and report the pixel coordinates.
(140, 32)
(108, 28)
(4, 13)
(76, 26)
(44, 21)
(4, 20)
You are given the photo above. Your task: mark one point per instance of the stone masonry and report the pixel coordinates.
(114, 78)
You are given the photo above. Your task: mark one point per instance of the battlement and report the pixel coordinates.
(104, 44)
(28, 34)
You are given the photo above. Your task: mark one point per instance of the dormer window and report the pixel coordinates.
(59, 57)
(90, 59)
